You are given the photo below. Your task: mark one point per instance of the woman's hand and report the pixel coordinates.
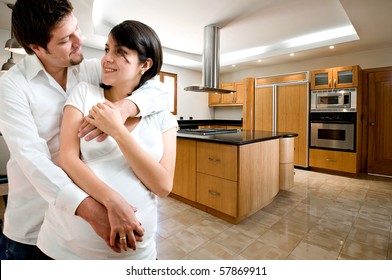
(107, 117)
(125, 228)
(127, 109)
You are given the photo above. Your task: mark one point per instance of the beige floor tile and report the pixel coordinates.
(187, 240)
(211, 251)
(234, 240)
(331, 227)
(265, 218)
(168, 250)
(259, 250)
(169, 227)
(208, 229)
(372, 238)
(362, 251)
(302, 217)
(286, 225)
(281, 240)
(250, 228)
(329, 241)
(322, 217)
(308, 251)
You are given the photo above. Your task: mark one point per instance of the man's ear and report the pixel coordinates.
(34, 47)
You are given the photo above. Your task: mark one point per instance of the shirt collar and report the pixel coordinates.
(34, 67)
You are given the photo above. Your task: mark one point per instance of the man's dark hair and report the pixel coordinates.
(34, 20)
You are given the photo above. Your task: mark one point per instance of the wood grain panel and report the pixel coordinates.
(217, 160)
(259, 175)
(185, 172)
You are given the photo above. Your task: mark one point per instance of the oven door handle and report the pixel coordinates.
(333, 122)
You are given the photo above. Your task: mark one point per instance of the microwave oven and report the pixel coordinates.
(334, 100)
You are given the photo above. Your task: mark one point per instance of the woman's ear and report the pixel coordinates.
(146, 65)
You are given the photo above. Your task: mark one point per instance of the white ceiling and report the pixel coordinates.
(260, 29)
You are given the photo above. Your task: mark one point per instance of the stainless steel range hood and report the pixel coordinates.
(210, 70)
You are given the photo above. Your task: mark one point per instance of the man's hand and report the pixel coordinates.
(89, 132)
(97, 216)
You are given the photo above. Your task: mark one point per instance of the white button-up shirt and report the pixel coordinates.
(31, 107)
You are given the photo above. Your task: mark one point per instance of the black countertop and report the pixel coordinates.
(240, 137)
(196, 123)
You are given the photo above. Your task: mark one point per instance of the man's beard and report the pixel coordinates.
(76, 62)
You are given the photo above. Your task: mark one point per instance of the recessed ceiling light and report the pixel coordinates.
(331, 47)
(260, 60)
(292, 54)
(233, 65)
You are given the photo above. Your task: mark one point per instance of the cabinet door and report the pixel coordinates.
(322, 79)
(217, 193)
(219, 160)
(344, 77)
(338, 77)
(333, 160)
(214, 99)
(264, 108)
(240, 93)
(185, 173)
(292, 116)
(228, 98)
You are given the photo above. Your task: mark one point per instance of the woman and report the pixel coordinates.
(131, 167)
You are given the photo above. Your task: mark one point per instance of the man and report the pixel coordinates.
(32, 95)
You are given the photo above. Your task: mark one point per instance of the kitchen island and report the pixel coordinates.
(232, 175)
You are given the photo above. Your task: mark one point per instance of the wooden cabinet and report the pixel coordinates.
(217, 193)
(333, 160)
(217, 177)
(229, 181)
(232, 99)
(281, 104)
(338, 77)
(185, 174)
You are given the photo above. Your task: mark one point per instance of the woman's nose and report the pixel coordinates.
(108, 57)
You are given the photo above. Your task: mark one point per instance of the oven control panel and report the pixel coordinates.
(333, 117)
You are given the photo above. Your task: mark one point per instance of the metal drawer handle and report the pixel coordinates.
(214, 193)
(330, 160)
(214, 160)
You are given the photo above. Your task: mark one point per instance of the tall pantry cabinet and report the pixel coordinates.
(281, 104)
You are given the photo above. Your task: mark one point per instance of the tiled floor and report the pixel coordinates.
(323, 217)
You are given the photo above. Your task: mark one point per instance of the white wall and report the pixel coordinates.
(368, 59)
(191, 104)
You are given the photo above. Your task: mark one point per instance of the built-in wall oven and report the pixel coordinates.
(333, 119)
(334, 131)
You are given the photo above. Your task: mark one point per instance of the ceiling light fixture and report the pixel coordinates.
(331, 47)
(12, 45)
(7, 66)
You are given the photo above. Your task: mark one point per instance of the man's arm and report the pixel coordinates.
(150, 98)
(32, 155)
(31, 152)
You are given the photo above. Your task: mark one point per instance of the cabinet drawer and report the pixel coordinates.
(333, 160)
(217, 159)
(217, 193)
